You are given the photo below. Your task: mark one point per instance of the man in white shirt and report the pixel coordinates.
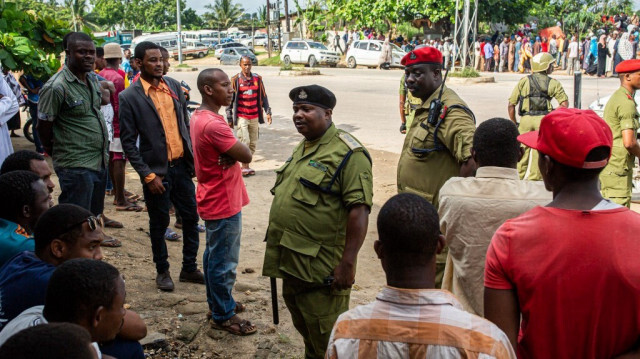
(8, 108)
(497, 192)
(573, 56)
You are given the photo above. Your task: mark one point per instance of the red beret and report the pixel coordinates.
(423, 55)
(628, 66)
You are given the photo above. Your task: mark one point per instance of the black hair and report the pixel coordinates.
(245, 57)
(20, 161)
(141, 49)
(164, 51)
(59, 222)
(112, 61)
(409, 225)
(205, 77)
(16, 191)
(75, 37)
(100, 52)
(46, 341)
(574, 174)
(77, 288)
(496, 143)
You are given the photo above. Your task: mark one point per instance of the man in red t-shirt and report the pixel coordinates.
(221, 194)
(569, 269)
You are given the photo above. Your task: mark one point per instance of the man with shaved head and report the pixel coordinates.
(221, 194)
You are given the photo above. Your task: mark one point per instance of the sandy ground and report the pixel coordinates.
(367, 107)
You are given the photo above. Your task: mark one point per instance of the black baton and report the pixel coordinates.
(274, 301)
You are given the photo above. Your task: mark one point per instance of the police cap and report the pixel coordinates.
(313, 95)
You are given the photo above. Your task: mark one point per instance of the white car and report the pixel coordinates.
(367, 53)
(220, 47)
(309, 53)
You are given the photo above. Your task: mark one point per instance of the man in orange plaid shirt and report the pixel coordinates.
(409, 317)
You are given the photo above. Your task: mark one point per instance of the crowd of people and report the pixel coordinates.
(495, 245)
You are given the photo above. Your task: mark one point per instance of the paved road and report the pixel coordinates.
(368, 99)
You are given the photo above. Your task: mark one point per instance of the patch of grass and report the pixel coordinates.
(183, 66)
(271, 61)
(286, 68)
(467, 72)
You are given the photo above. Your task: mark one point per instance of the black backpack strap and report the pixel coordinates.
(327, 188)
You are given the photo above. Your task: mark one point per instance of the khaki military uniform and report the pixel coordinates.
(307, 230)
(424, 174)
(621, 114)
(410, 104)
(528, 165)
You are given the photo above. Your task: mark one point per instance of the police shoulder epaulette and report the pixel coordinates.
(349, 140)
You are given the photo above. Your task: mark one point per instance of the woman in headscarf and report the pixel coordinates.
(625, 47)
(525, 57)
(611, 44)
(385, 55)
(603, 54)
(585, 54)
(593, 56)
(516, 63)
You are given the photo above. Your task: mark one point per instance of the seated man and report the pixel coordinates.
(25, 160)
(64, 232)
(58, 340)
(86, 292)
(497, 193)
(23, 198)
(410, 318)
(562, 281)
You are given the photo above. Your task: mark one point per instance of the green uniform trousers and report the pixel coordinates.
(314, 311)
(617, 188)
(528, 165)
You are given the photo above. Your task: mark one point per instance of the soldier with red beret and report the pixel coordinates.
(437, 147)
(621, 115)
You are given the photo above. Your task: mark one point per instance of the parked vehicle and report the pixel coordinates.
(195, 49)
(308, 52)
(367, 53)
(168, 40)
(220, 47)
(232, 56)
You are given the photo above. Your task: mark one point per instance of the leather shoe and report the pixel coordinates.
(164, 281)
(192, 277)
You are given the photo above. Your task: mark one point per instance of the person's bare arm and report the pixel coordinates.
(133, 327)
(564, 104)
(630, 141)
(403, 117)
(357, 223)
(512, 113)
(468, 168)
(238, 152)
(501, 308)
(45, 130)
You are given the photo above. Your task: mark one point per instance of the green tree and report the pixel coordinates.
(223, 14)
(30, 42)
(191, 20)
(81, 17)
(108, 13)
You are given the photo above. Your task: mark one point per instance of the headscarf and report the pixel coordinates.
(593, 49)
(625, 47)
(603, 40)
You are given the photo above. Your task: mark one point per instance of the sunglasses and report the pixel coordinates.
(93, 222)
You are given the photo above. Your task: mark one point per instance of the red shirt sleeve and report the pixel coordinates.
(496, 271)
(219, 136)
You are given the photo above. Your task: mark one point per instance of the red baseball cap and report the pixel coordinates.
(568, 135)
(423, 55)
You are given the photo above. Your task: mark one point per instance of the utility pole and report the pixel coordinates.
(279, 29)
(268, 43)
(286, 16)
(179, 33)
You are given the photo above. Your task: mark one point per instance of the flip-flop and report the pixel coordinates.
(244, 327)
(246, 172)
(110, 242)
(113, 224)
(252, 172)
(129, 208)
(239, 309)
(171, 236)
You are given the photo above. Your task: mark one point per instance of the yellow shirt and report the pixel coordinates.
(162, 98)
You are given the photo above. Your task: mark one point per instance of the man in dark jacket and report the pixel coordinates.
(245, 110)
(154, 111)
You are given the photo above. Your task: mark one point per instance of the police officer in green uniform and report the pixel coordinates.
(408, 106)
(437, 147)
(621, 115)
(318, 219)
(534, 94)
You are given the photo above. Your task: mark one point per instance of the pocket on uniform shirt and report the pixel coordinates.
(76, 107)
(296, 255)
(313, 177)
(419, 136)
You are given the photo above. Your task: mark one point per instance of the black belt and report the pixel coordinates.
(176, 162)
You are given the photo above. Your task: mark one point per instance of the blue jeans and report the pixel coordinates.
(180, 190)
(83, 187)
(219, 262)
(33, 112)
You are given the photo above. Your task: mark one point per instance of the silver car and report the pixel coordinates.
(232, 56)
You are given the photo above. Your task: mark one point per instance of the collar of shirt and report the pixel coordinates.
(324, 139)
(246, 78)
(418, 297)
(71, 77)
(497, 172)
(162, 87)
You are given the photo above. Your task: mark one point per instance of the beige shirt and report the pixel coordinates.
(471, 210)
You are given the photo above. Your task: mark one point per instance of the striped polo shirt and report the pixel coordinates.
(248, 97)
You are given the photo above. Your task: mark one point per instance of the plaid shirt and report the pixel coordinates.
(416, 323)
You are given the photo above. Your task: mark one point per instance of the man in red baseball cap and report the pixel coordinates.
(562, 281)
(437, 147)
(621, 115)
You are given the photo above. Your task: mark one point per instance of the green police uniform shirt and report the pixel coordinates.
(555, 90)
(411, 103)
(307, 227)
(621, 114)
(424, 174)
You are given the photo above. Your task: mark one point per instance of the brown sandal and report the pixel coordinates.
(239, 309)
(244, 327)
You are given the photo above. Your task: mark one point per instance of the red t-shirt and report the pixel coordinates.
(221, 193)
(118, 82)
(577, 278)
(544, 46)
